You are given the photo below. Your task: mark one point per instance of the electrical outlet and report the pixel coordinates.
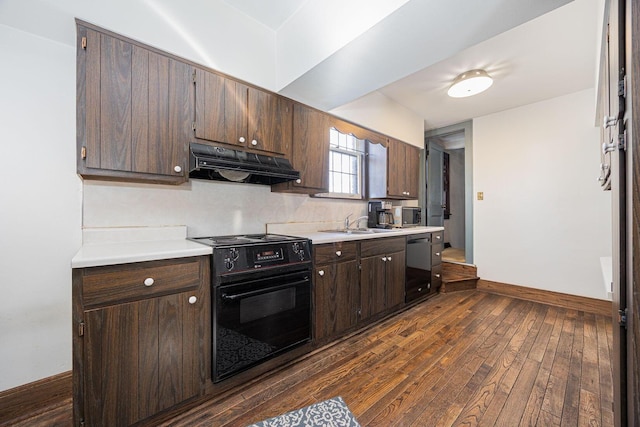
(480, 195)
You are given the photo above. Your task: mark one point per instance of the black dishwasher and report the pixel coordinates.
(418, 270)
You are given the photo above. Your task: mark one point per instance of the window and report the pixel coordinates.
(345, 165)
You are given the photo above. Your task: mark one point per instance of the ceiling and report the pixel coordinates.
(533, 50)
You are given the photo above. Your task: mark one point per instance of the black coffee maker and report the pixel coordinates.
(380, 215)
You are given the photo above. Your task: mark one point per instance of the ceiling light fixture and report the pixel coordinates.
(470, 83)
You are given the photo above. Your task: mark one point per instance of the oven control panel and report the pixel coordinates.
(252, 257)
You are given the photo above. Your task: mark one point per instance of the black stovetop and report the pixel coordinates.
(243, 239)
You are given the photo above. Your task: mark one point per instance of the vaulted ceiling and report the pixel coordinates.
(411, 54)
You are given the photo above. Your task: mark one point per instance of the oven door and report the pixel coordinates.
(257, 319)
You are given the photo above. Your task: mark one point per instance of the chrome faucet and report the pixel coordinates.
(347, 223)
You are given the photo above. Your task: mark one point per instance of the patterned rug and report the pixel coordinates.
(330, 413)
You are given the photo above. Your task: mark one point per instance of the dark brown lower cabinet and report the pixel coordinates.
(146, 351)
(382, 276)
(336, 298)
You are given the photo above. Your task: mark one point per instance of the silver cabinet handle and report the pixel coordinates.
(241, 139)
(149, 281)
(438, 237)
(298, 181)
(419, 289)
(384, 258)
(437, 275)
(254, 142)
(193, 299)
(177, 169)
(388, 258)
(321, 273)
(338, 253)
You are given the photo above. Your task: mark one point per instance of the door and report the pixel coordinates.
(435, 194)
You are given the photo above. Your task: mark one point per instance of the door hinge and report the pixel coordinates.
(83, 42)
(622, 86)
(193, 126)
(81, 329)
(622, 141)
(622, 318)
(83, 152)
(193, 76)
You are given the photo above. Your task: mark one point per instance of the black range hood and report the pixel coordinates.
(224, 164)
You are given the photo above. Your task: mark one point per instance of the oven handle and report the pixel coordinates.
(227, 297)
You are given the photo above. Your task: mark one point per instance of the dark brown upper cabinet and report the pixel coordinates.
(403, 170)
(309, 152)
(394, 170)
(134, 111)
(230, 112)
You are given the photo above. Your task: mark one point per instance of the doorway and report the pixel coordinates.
(449, 200)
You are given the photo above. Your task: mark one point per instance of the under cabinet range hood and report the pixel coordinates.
(224, 164)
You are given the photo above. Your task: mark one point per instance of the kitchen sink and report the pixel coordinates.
(359, 231)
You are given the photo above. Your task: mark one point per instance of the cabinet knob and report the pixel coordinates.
(177, 169)
(193, 299)
(437, 275)
(388, 258)
(241, 139)
(338, 253)
(437, 253)
(298, 181)
(438, 237)
(321, 273)
(254, 142)
(384, 258)
(149, 281)
(419, 289)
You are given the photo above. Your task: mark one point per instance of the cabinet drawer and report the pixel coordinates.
(436, 254)
(381, 246)
(127, 282)
(436, 277)
(334, 252)
(437, 237)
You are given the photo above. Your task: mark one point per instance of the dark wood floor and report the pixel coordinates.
(460, 359)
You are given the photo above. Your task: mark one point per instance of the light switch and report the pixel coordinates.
(480, 195)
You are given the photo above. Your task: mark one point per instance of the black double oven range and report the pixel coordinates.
(260, 298)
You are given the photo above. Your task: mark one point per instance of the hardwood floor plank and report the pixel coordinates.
(572, 391)
(605, 371)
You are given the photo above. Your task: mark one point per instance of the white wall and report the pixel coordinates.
(544, 222)
(40, 206)
(383, 114)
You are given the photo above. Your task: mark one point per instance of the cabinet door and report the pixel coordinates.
(142, 357)
(396, 169)
(134, 111)
(310, 149)
(395, 276)
(372, 286)
(220, 109)
(270, 121)
(412, 171)
(336, 298)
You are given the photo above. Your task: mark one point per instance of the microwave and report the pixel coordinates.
(407, 216)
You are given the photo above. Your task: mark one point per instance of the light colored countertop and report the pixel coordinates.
(113, 246)
(126, 245)
(320, 237)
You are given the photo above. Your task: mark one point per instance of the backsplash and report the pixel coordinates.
(205, 207)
